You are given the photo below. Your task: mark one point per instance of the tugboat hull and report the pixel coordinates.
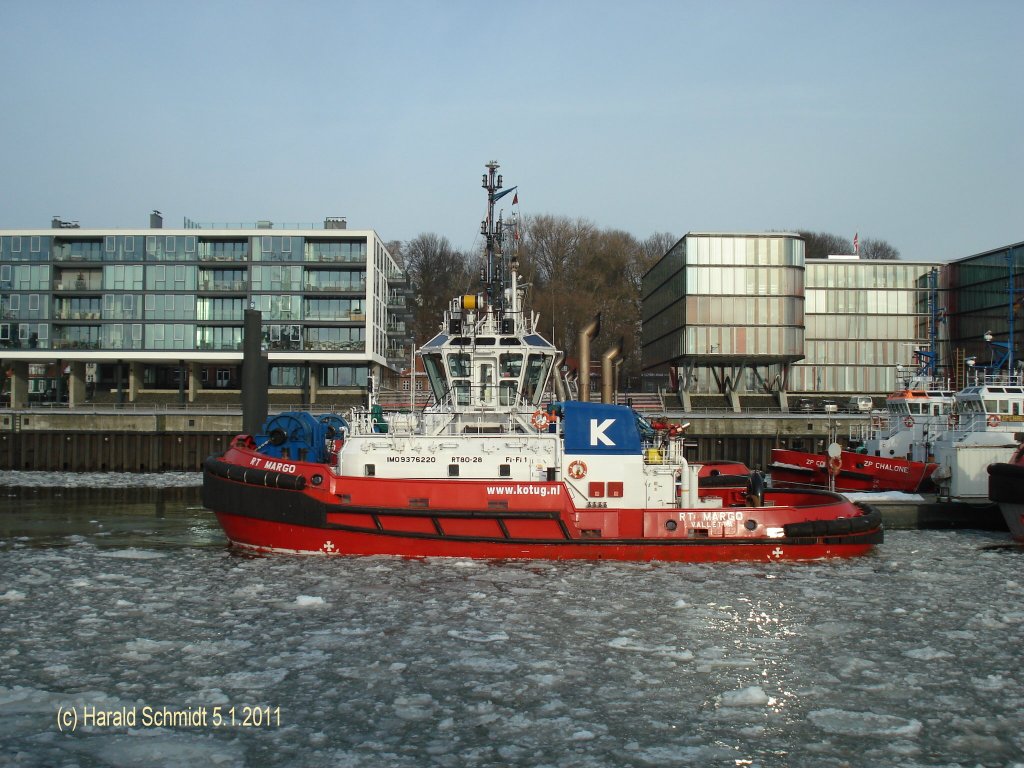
(855, 472)
(294, 512)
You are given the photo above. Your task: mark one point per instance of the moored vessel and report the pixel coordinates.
(896, 452)
(1006, 488)
(498, 466)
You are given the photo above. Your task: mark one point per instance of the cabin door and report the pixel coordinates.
(485, 382)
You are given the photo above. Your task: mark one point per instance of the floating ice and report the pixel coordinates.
(156, 747)
(21, 479)
(754, 696)
(927, 654)
(476, 636)
(846, 723)
(443, 663)
(133, 554)
(309, 600)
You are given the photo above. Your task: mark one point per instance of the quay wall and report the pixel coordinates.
(112, 442)
(179, 440)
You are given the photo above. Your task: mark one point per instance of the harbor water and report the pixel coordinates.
(130, 634)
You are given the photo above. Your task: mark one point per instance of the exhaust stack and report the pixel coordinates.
(587, 333)
(607, 377)
(559, 380)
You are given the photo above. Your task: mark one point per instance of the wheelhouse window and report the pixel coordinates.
(537, 367)
(435, 376)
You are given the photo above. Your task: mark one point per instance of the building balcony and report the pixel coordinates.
(357, 288)
(336, 346)
(332, 258)
(75, 344)
(225, 286)
(77, 315)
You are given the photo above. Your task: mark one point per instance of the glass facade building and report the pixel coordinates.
(747, 313)
(163, 301)
(726, 310)
(863, 319)
(977, 301)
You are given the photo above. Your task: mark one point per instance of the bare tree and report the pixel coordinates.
(878, 249)
(437, 272)
(395, 248)
(819, 245)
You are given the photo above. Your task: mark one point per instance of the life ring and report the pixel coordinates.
(539, 420)
(578, 470)
(993, 420)
(834, 464)
(908, 421)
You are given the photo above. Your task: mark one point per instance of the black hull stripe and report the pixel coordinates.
(869, 537)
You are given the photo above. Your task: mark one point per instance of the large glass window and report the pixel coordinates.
(278, 307)
(282, 336)
(276, 278)
(287, 375)
(277, 248)
(122, 277)
(219, 337)
(222, 280)
(170, 306)
(436, 376)
(336, 280)
(346, 251)
(169, 336)
(336, 339)
(223, 250)
(343, 375)
(227, 309)
(537, 367)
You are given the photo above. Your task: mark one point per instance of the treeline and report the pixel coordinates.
(573, 270)
(821, 245)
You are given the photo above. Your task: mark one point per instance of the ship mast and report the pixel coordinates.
(493, 230)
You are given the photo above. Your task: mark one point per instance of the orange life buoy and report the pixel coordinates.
(834, 464)
(993, 420)
(539, 420)
(578, 470)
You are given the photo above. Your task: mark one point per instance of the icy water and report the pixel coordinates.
(126, 607)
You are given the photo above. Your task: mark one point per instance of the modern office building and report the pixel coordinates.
(745, 316)
(864, 320)
(122, 314)
(981, 294)
(724, 313)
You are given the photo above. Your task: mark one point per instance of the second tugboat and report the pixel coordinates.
(495, 468)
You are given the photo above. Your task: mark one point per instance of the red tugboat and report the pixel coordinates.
(492, 469)
(1006, 488)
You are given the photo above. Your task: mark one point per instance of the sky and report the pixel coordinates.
(896, 120)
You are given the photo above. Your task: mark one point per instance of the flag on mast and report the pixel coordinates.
(856, 243)
(515, 199)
